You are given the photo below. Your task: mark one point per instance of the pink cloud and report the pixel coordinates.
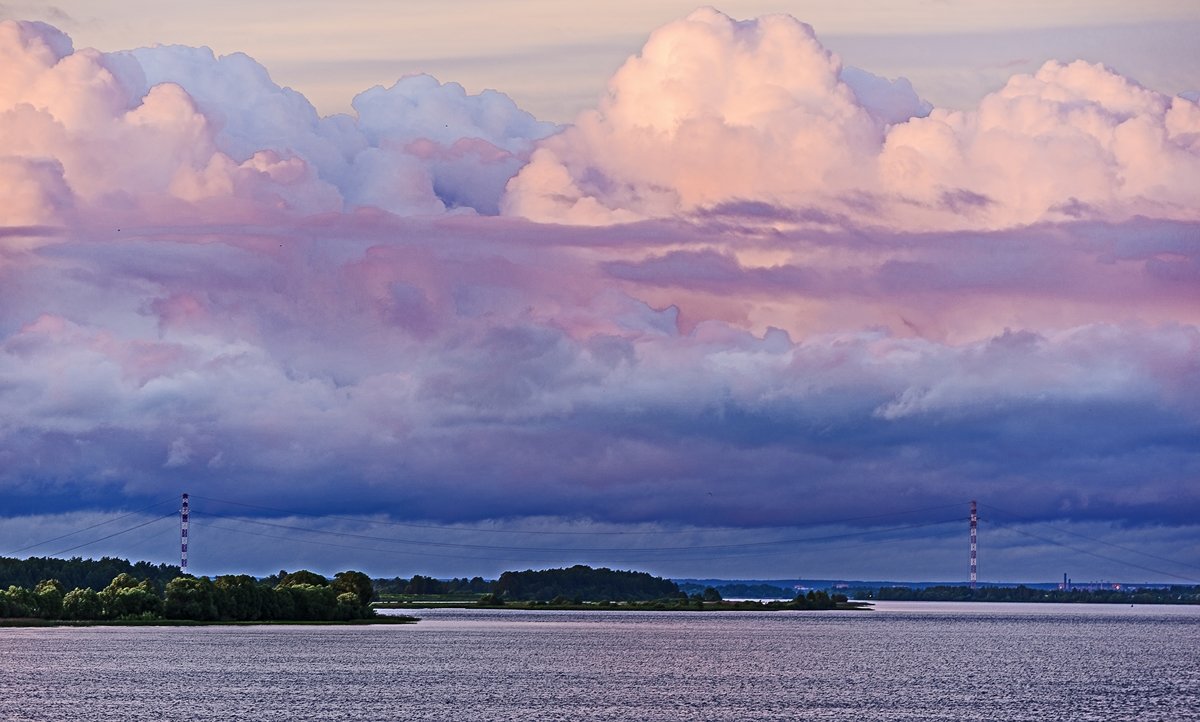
(711, 110)
(714, 112)
(259, 298)
(1072, 140)
(159, 133)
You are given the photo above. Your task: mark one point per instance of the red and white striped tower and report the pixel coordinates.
(974, 528)
(183, 529)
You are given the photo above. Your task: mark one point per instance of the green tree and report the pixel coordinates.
(425, 585)
(82, 604)
(279, 604)
(124, 580)
(49, 593)
(240, 597)
(349, 606)
(711, 594)
(17, 602)
(356, 583)
(311, 602)
(126, 597)
(302, 577)
(190, 598)
(134, 603)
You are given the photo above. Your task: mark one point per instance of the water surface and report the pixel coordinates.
(905, 661)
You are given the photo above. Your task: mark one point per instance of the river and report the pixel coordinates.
(903, 661)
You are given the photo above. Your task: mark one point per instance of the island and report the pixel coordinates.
(581, 587)
(295, 597)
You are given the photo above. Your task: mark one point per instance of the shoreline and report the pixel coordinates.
(851, 606)
(26, 622)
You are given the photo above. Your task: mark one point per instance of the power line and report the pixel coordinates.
(584, 552)
(517, 553)
(207, 525)
(92, 526)
(1092, 539)
(1012, 527)
(560, 550)
(119, 533)
(443, 527)
(156, 538)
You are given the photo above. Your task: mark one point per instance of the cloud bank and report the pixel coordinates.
(714, 111)
(754, 288)
(159, 132)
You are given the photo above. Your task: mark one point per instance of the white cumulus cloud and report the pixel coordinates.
(714, 111)
(173, 131)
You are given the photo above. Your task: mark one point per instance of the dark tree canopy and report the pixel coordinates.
(226, 598)
(586, 583)
(355, 583)
(288, 579)
(82, 573)
(422, 585)
(739, 590)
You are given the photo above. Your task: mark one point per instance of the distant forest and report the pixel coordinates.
(428, 586)
(742, 591)
(1021, 593)
(79, 573)
(279, 596)
(298, 596)
(578, 582)
(584, 583)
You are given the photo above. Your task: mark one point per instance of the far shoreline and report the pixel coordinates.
(33, 622)
(722, 606)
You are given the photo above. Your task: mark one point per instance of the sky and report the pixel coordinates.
(770, 291)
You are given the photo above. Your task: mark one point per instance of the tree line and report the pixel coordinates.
(584, 582)
(298, 596)
(577, 582)
(708, 600)
(147, 591)
(580, 584)
(81, 573)
(421, 585)
(1022, 593)
(742, 590)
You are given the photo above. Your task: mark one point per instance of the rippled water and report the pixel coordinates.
(901, 662)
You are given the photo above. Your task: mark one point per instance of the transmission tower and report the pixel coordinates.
(974, 530)
(183, 534)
